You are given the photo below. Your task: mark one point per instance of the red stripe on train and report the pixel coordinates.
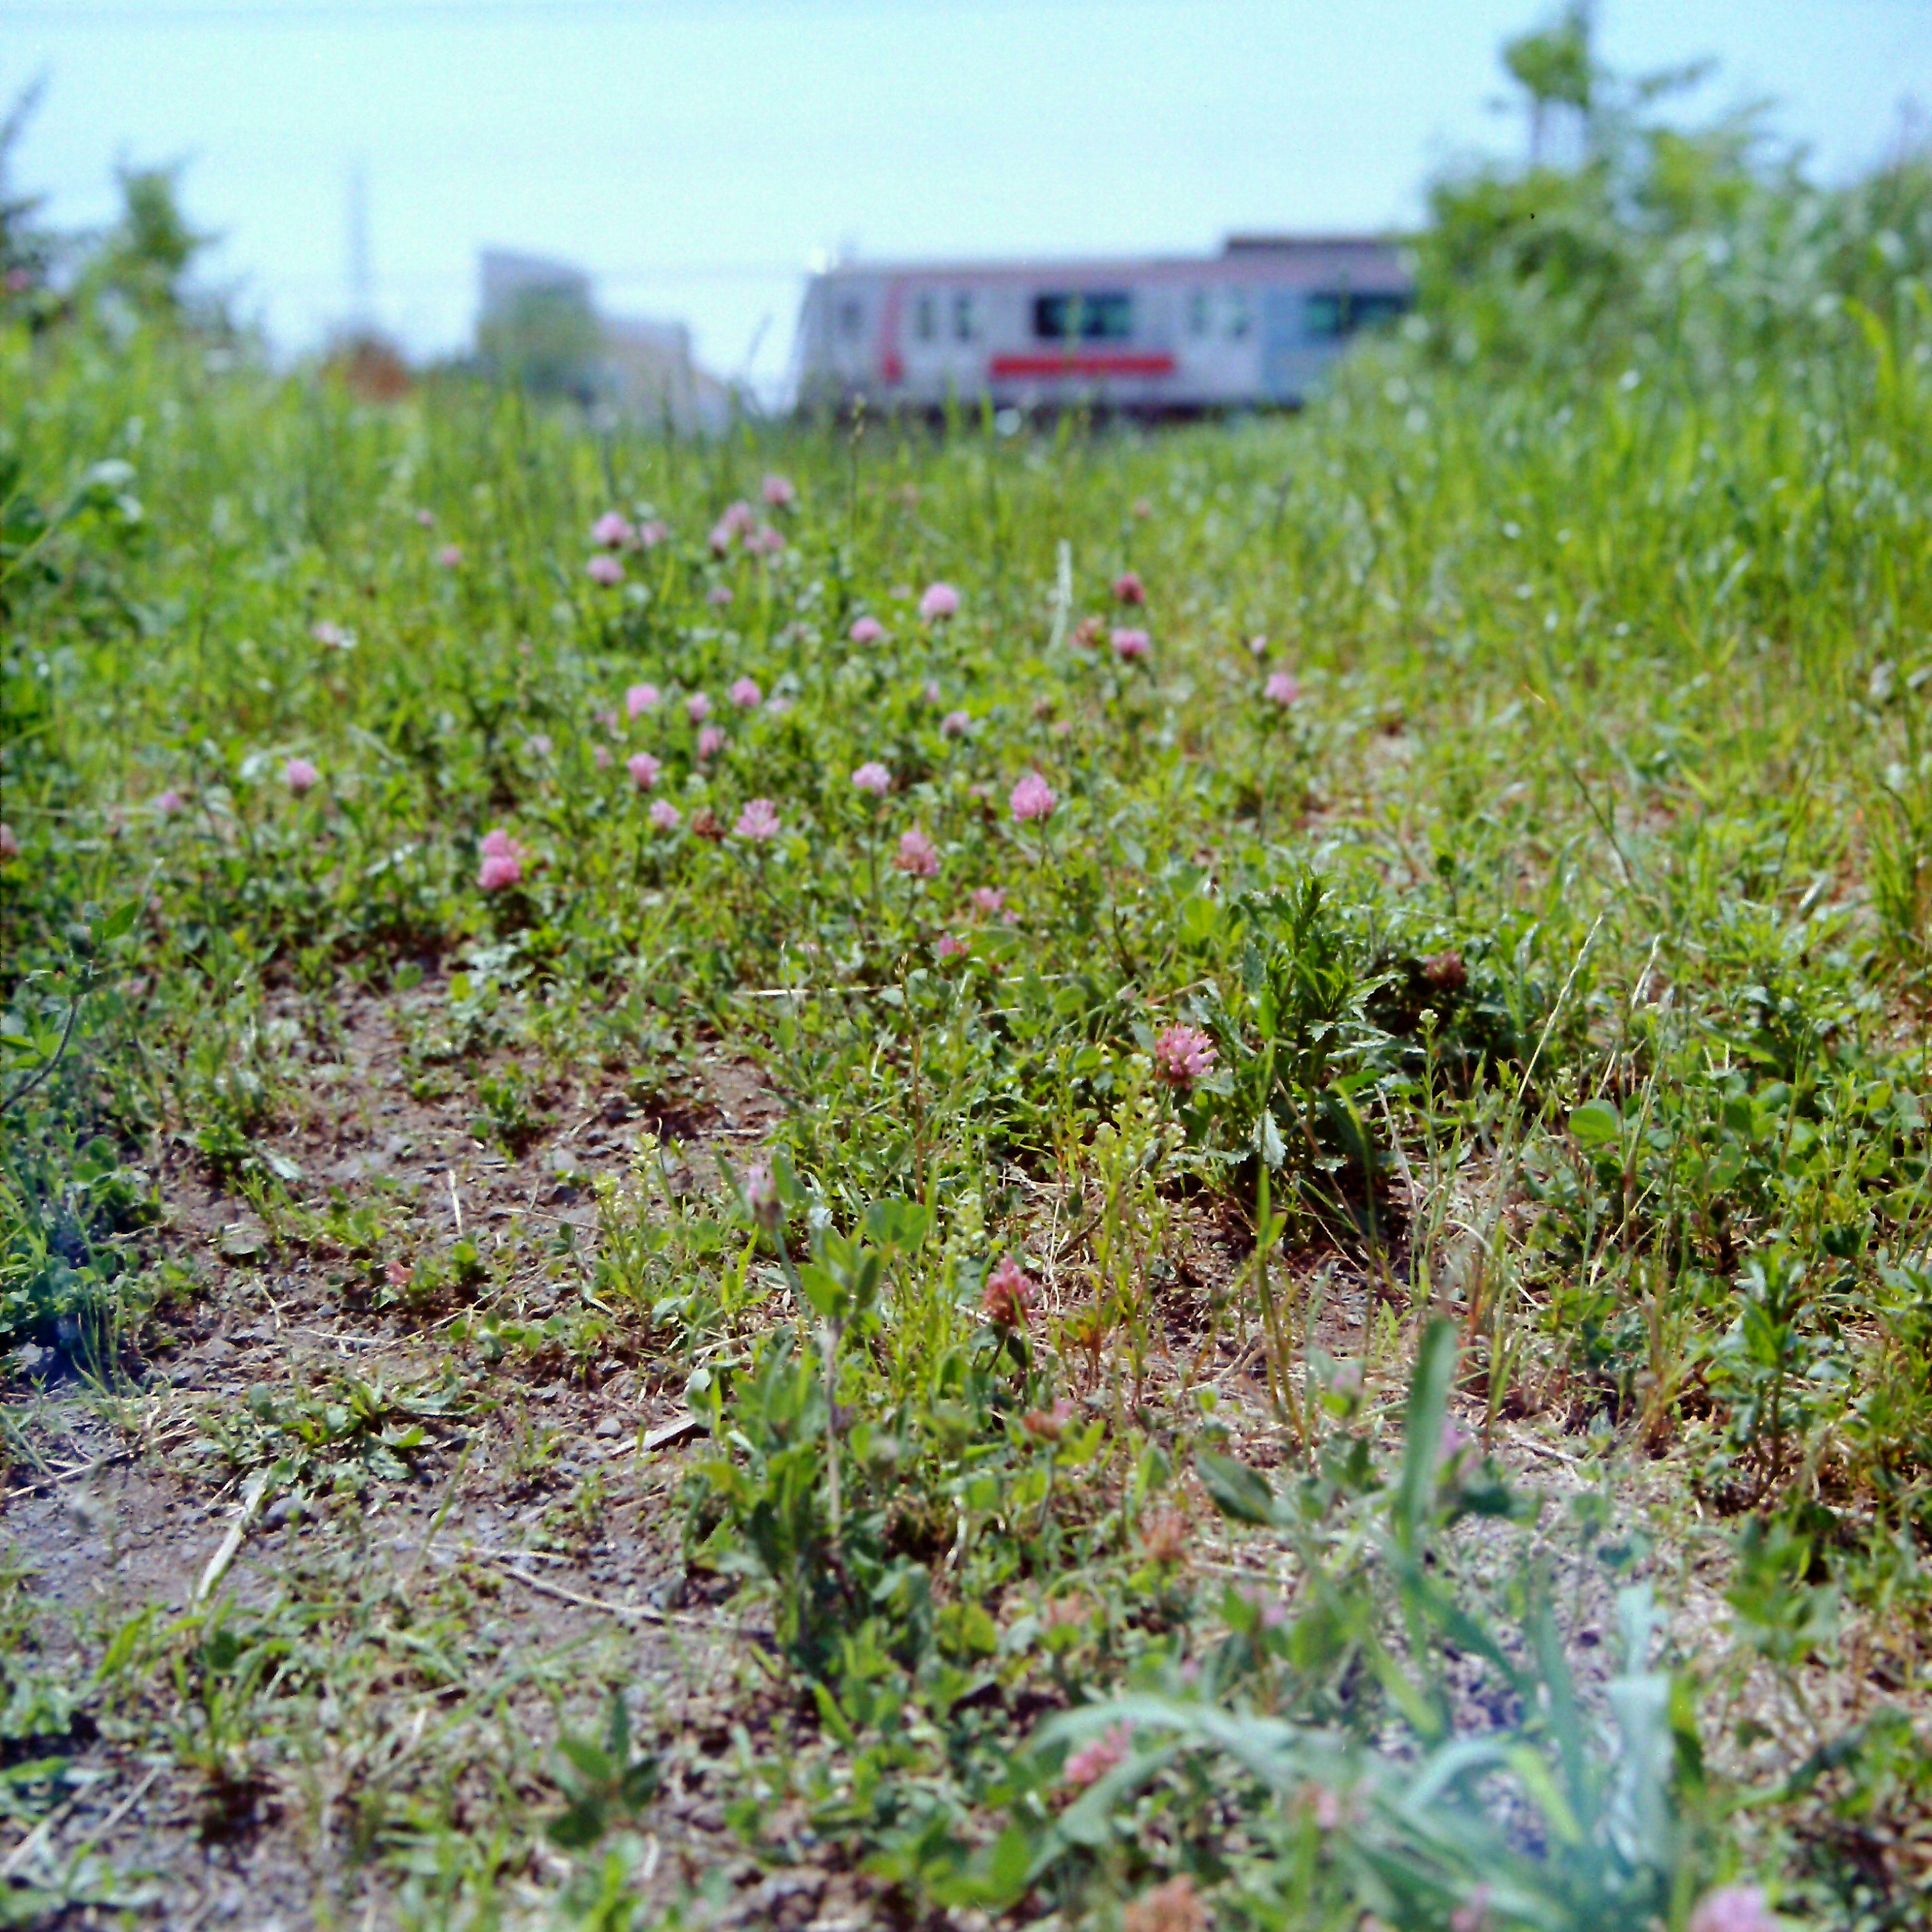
(1085, 364)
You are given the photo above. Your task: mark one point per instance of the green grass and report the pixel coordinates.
(1563, 950)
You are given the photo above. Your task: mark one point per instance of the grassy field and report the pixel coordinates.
(1256, 1255)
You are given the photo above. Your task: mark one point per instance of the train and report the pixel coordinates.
(1255, 326)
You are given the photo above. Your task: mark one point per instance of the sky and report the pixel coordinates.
(696, 156)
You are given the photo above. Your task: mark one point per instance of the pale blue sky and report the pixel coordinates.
(694, 154)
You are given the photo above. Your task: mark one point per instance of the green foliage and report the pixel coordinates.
(1563, 953)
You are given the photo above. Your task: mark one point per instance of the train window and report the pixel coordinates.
(1098, 317)
(1329, 317)
(1197, 312)
(1239, 312)
(963, 320)
(925, 318)
(851, 319)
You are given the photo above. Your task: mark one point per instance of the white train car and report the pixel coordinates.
(1255, 325)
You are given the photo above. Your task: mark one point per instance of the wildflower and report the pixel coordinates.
(1008, 1294)
(956, 725)
(1458, 1455)
(169, 803)
(931, 693)
(612, 530)
(720, 593)
(765, 540)
(779, 491)
(917, 855)
(299, 775)
(1165, 1539)
(697, 707)
(1130, 646)
(427, 518)
(759, 820)
(650, 534)
(866, 631)
(1087, 634)
(745, 694)
(503, 861)
(952, 945)
(10, 846)
(1033, 797)
(665, 816)
(738, 517)
(1049, 1424)
(333, 637)
(1445, 971)
(987, 899)
(1257, 646)
(450, 556)
(607, 718)
(1128, 589)
(1346, 1381)
(1281, 688)
(705, 824)
(641, 698)
(1182, 1054)
(712, 740)
(1270, 1612)
(1473, 1914)
(940, 600)
(1325, 1807)
(1091, 1763)
(873, 777)
(539, 744)
(604, 568)
(1733, 1908)
(1175, 1907)
(761, 1194)
(643, 769)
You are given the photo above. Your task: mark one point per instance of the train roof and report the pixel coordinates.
(1363, 259)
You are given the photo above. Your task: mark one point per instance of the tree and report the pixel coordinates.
(1552, 66)
(26, 249)
(545, 340)
(146, 256)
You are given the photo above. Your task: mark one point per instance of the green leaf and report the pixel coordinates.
(1238, 1491)
(1596, 1122)
(120, 920)
(1428, 1406)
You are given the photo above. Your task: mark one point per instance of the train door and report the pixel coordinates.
(1286, 362)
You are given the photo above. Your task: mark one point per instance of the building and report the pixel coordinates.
(1255, 325)
(539, 326)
